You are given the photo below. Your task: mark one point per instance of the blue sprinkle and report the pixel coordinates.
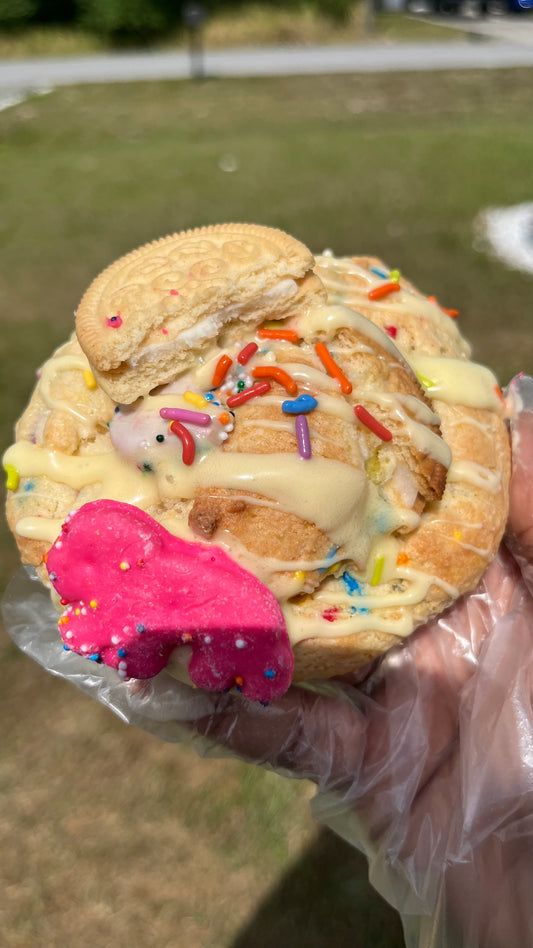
(117, 409)
(300, 405)
(140, 627)
(359, 610)
(270, 673)
(66, 648)
(379, 273)
(29, 486)
(95, 657)
(351, 584)
(216, 403)
(53, 577)
(209, 396)
(122, 653)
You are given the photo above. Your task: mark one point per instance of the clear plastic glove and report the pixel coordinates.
(424, 762)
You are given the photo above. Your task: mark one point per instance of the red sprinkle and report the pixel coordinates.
(372, 423)
(174, 293)
(187, 441)
(381, 291)
(114, 321)
(221, 369)
(246, 354)
(331, 366)
(280, 375)
(260, 389)
(330, 614)
(392, 331)
(290, 335)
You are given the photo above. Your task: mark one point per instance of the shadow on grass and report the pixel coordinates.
(324, 901)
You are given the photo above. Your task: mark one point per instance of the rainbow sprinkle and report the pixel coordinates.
(289, 335)
(221, 370)
(13, 476)
(246, 354)
(378, 571)
(195, 399)
(302, 437)
(89, 380)
(183, 414)
(279, 375)
(372, 423)
(332, 368)
(260, 389)
(187, 440)
(380, 292)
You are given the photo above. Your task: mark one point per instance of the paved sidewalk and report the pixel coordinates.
(20, 76)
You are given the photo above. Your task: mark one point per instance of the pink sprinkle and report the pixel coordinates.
(164, 331)
(392, 331)
(114, 321)
(174, 293)
(302, 436)
(183, 414)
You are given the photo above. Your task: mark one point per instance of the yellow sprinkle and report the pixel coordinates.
(93, 603)
(77, 612)
(394, 276)
(195, 399)
(457, 535)
(299, 575)
(89, 380)
(12, 479)
(124, 565)
(427, 383)
(378, 570)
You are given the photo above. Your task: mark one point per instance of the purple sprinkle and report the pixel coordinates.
(302, 436)
(53, 577)
(183, 414)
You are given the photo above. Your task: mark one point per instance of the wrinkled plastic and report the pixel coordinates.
(424, 761)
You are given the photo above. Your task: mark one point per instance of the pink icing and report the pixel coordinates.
(135, 592)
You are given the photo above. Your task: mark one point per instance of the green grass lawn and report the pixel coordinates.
(169, 849)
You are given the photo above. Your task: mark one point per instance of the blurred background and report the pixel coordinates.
(109, 837)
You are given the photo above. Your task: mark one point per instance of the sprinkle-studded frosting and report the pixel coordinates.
(347, 465)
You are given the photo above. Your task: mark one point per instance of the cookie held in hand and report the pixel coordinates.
(319, 424)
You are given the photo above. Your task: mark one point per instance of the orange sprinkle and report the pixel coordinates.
(499, 393)
(274, 372)
(331, 366)
(384, 290)
(290, 335)
(239, 682)
(186, 637)
(224, 418)
(402, 559)
(45, 557)
(452, 313)
(221, 369)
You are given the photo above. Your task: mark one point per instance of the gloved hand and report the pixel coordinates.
(424, 761)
